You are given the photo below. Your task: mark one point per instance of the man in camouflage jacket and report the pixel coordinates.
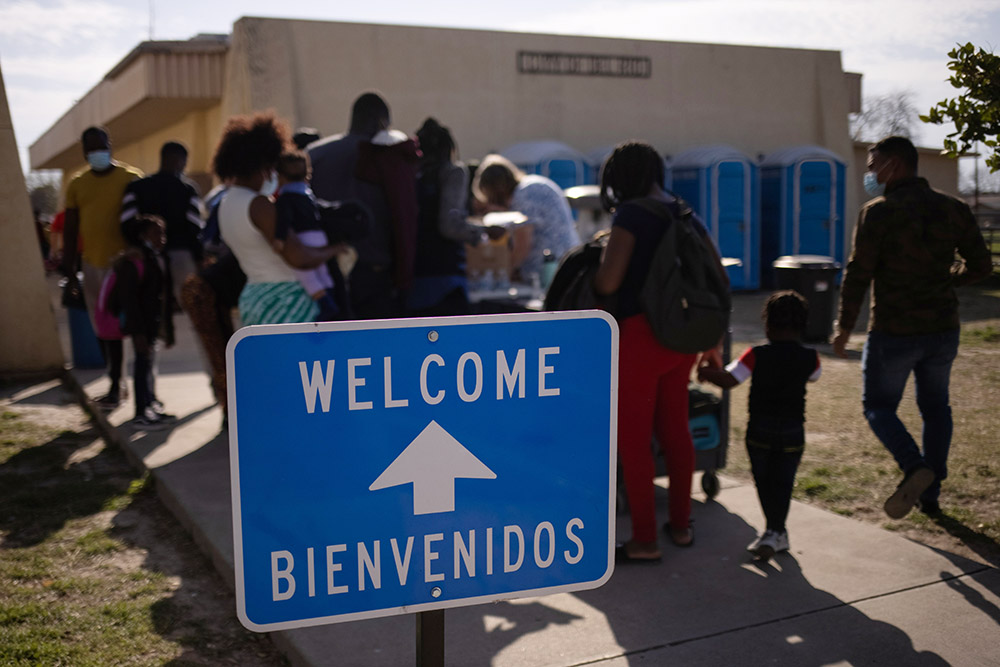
(905, 243)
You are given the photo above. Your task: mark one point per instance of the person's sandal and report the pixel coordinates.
(623, 556)
(673, 535)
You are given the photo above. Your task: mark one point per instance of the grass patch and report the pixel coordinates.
(96, 543)
(981, 335)
(80, 587)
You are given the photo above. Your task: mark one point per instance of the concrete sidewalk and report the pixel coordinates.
(848, 593)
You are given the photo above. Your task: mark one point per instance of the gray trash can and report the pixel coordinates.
(815, 278)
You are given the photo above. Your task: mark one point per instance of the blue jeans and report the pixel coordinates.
(887, 362)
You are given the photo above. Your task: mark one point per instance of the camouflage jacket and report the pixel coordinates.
(905, 244)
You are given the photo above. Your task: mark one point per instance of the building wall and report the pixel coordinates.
(28, 340)
(757, 99)
(199, 131)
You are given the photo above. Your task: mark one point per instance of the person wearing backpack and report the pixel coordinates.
(136, 293)
(653, 377)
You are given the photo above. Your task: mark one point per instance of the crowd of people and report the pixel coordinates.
(374, 223)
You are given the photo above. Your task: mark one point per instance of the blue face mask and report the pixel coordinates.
(99, 160)
(872, 186)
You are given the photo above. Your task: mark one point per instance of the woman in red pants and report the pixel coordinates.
(652, 379)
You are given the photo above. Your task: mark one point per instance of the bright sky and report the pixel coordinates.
(53, 51)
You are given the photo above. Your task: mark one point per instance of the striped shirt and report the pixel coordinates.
(174, 199)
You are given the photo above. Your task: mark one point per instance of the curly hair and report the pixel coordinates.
(135, 228)
(629, 172)
(250, 144)
(786, 310)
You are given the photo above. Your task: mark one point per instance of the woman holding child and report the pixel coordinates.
(247, 155)
(652, 379)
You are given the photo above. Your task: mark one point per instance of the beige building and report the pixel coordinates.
(493, 89)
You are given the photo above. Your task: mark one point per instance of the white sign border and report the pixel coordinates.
(410, 323)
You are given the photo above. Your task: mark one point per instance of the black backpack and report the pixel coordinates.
(572, 286)
(685, 295)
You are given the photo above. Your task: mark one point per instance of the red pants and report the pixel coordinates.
(653, 393)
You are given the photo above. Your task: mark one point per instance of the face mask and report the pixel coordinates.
(872, 186)
(270, 185)
(99, 160)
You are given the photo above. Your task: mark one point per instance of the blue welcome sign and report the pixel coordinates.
(398, 466)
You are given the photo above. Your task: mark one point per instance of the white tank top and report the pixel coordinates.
(255, 255)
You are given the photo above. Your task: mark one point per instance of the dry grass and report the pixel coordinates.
(845, 468)
(93, 570)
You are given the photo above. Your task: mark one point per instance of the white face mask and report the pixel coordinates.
(270, 186)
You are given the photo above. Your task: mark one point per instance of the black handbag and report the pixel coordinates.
(72, 294)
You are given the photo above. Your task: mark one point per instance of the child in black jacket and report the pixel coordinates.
(776, 430)
(139, 297)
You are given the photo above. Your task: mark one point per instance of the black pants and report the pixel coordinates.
(114, 355)
(774, 470)
(145, 392)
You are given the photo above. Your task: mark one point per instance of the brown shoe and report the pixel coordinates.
(908, 492)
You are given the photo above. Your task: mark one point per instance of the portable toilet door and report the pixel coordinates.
(595, 160)
(566, 166)
(721, 184)
(803, 190)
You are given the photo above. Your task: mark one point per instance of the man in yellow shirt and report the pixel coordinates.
(93, 207)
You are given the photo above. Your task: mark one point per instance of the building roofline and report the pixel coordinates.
(201, 43)
(539, 34)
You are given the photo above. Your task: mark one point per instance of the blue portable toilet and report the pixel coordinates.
(596, 158)
(721, 184)
(553, 159)
(802, 205)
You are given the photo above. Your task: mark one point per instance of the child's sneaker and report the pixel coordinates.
(157, 407)
(149, 421)
(781, 541)
(765, 546)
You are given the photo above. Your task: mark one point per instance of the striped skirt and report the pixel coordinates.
(276, 303)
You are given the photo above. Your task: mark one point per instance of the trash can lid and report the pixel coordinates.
(805, 262)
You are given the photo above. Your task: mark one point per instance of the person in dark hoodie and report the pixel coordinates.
(440, 285)
(378, 167)
(139, 297)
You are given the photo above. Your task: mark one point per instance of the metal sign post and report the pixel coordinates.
(430, 638)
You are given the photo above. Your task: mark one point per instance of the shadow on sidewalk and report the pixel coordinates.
(713, 605)
(979, 542)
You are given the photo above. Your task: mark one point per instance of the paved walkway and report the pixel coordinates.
(848, 593)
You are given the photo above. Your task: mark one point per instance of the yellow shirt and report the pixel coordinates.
(98, 198)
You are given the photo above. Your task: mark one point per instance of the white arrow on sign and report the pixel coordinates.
(432, 463)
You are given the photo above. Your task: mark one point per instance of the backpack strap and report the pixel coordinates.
(676, 210)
